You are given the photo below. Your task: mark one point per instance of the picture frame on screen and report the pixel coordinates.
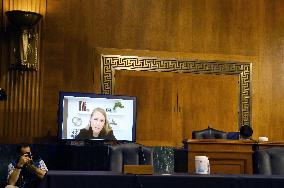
(89, 116)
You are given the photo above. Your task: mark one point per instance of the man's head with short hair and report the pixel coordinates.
(23, 148)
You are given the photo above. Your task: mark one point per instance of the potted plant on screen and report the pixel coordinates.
(117, 105)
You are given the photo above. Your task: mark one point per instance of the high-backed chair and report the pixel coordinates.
(129, 154)
(209, 133)
(269, 161)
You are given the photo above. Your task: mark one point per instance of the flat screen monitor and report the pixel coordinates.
(89, 116)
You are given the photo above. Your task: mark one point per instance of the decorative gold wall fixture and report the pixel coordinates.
(24, 39)
(110, 63)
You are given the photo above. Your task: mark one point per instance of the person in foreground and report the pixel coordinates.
(26, 171)
(98, 127)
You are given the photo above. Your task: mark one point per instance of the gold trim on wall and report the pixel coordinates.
(110, 63)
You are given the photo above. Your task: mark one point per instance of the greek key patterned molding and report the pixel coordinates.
(110, 63)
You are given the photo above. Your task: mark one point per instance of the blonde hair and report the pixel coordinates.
(107, 128)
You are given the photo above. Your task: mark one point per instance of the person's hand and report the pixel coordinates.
(24, 159)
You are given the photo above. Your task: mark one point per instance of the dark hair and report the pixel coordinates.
(20, 146)
(246, 131)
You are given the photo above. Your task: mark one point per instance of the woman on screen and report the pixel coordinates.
(98, 127)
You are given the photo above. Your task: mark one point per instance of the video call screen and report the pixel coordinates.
(75, 110)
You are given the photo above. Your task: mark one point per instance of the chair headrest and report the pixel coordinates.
(209, 133)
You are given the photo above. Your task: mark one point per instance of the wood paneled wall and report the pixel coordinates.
(72, 29)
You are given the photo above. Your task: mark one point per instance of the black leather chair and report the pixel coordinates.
(209, 133)
(129, 154)
(269, 161)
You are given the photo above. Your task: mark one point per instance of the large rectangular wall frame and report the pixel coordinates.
(110, 63)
